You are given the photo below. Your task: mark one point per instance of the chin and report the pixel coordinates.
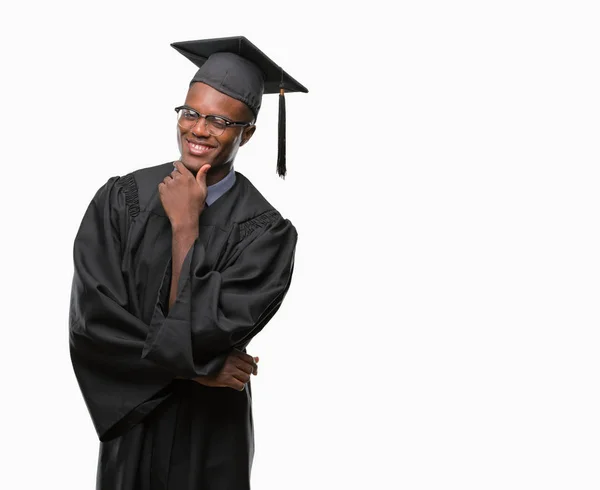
(193, 164)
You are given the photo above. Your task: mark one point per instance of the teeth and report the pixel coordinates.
(199, 147)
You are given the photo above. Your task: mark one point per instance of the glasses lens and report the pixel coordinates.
(215, 125)
(186, 118)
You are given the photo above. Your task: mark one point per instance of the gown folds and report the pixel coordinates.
(127, 347)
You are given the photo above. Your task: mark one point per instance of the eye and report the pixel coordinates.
(216, 122)
(189, 114)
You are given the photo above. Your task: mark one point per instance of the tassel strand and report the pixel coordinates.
(281, 166)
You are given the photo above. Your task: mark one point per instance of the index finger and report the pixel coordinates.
(245, 357)
(181, 167)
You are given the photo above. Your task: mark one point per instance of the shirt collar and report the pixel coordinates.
(215, 191)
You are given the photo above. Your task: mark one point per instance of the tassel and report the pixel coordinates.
(281, 167)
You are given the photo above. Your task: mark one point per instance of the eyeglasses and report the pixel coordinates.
(187, 118)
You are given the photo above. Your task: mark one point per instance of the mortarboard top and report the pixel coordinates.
(236, 67)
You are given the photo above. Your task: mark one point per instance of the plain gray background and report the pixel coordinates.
(441, 330)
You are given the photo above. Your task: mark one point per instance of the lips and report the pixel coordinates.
(198, 149)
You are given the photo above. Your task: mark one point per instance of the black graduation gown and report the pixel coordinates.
(157, 432)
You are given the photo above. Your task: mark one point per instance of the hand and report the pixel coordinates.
(235, 373)
(183, 195)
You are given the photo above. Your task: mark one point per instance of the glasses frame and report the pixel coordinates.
(228, 122)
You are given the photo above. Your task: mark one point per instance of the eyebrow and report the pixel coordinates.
(214, 115)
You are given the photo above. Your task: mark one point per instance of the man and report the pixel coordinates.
(177, 267)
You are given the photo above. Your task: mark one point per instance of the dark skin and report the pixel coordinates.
(221, 150)
(205, 160)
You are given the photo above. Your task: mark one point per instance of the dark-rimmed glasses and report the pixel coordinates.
(187, 118)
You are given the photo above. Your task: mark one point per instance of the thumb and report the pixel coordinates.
(201, 175)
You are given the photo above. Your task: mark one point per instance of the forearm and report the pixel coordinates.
(182, 241)
(219, 307)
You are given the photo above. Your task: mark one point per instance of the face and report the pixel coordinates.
(198, 147)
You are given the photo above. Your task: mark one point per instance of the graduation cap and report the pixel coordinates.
(236, 67)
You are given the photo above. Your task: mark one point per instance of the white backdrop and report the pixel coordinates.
(442, 328)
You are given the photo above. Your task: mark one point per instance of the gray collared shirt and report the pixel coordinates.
(215, 191)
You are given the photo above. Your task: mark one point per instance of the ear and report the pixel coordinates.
(247, 134)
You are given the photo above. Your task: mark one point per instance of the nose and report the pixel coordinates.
(200, 128)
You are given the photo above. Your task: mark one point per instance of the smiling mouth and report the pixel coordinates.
(198, 149)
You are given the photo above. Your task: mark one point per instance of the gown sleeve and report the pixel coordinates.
(106, 340)
(217, 310)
